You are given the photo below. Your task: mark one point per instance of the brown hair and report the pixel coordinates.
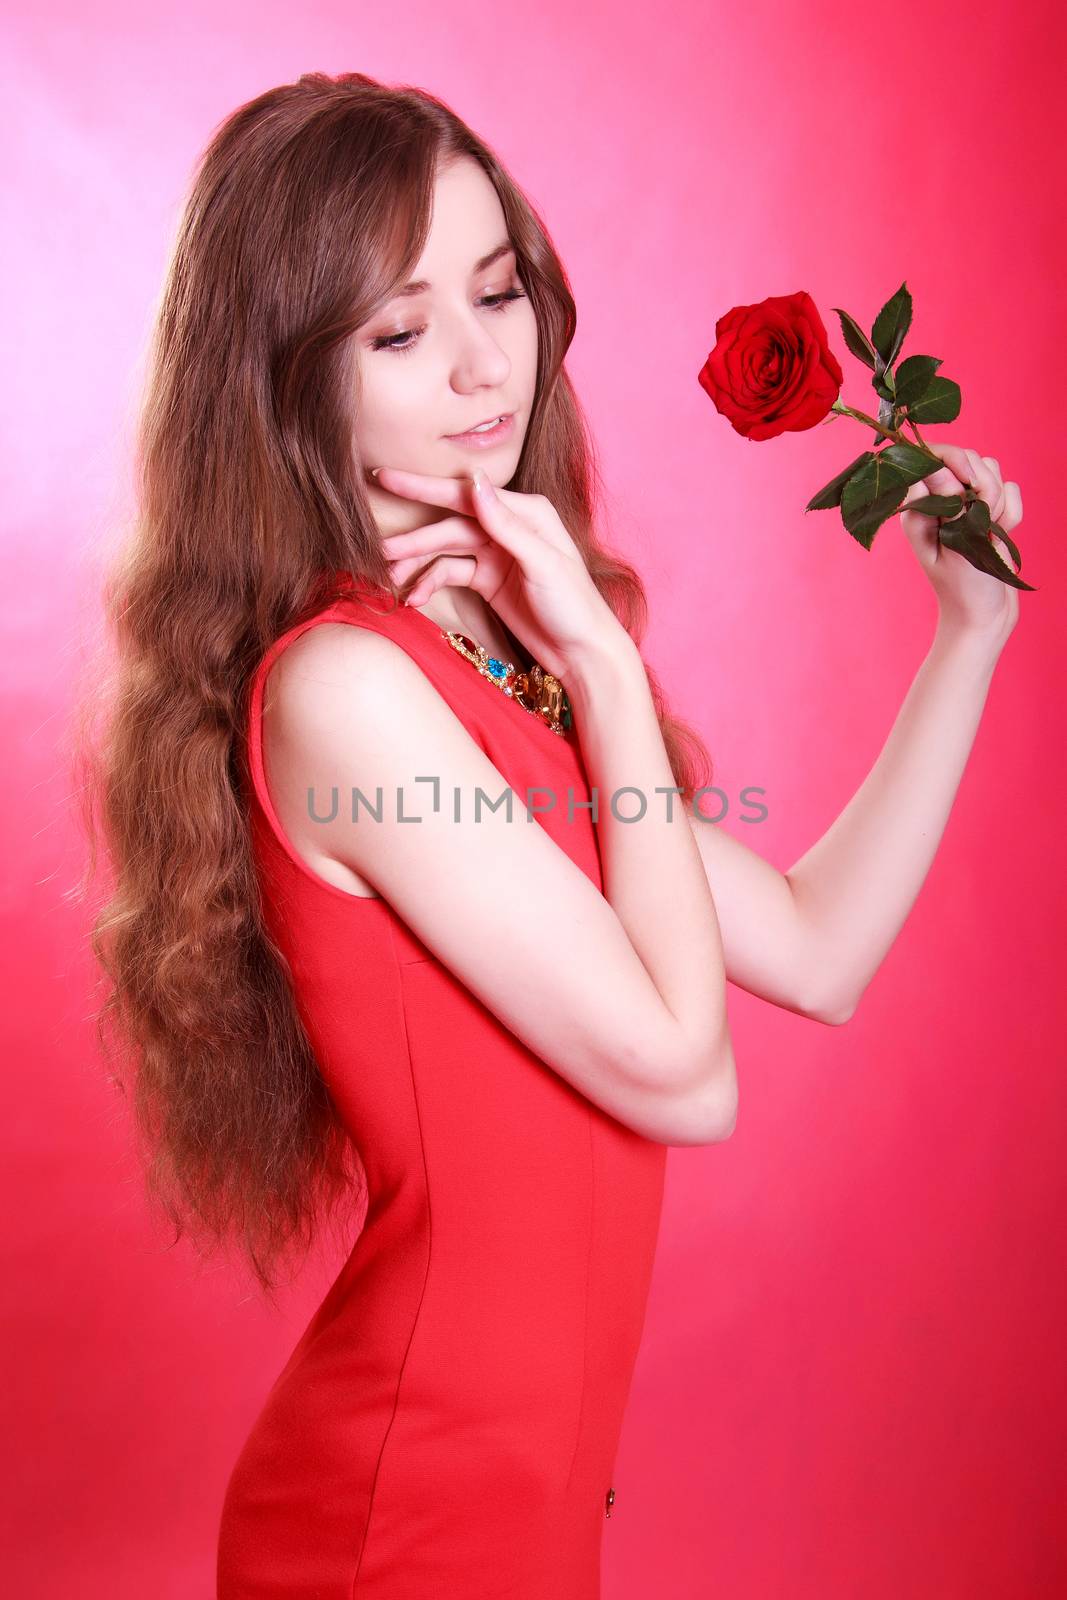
(309, 208)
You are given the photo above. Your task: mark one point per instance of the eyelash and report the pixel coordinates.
(493, 302)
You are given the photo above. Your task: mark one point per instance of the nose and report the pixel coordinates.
(480, 362)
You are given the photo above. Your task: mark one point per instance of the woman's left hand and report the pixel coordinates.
(972, 601)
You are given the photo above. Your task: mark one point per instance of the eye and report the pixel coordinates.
(492, 302)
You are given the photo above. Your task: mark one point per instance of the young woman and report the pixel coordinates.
(347, 966)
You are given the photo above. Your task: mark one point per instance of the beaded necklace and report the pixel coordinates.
(536, 691)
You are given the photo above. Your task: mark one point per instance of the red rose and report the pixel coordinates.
(772, 370)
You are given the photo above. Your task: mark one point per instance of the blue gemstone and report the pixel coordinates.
(497, 668)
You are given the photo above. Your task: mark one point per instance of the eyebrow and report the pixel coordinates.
(419, 285)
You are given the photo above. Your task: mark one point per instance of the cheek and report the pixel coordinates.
(393, 405)
(523, 351)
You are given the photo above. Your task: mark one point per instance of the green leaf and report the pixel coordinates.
(908, 460)
(856, 339)
(937, 505)
(980, 515)
(875, 492)
(891, 324)
(830, 494)
(872, 486)
(913, 377)
(864, 520)
(968, 535)
(869, 484)
(940, 402)
(949, 507)
(1013, 548)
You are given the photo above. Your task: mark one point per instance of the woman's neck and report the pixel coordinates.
(459, 610)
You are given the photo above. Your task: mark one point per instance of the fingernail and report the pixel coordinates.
(374, 471)
(477, 478)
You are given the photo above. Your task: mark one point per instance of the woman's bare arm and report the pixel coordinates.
(812, 938)
(856, 885)
(621, 993)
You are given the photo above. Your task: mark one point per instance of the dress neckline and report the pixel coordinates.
(442, 634)
(375, 591)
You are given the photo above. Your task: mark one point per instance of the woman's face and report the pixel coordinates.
(449, 355)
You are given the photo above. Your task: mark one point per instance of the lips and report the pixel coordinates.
(478, 424)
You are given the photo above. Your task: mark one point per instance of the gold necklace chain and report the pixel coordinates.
(536, 691)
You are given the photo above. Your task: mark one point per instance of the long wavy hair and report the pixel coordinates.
(308, 210)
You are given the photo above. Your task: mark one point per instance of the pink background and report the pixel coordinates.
(852, 1375)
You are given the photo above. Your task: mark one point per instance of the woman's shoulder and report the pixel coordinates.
(361, 659)
(345, 696)
(343, 648)
(361, 632)
(344, 609)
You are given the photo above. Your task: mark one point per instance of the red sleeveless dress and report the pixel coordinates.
(446, 1426)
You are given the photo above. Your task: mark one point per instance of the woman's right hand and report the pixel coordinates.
(516, 553)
